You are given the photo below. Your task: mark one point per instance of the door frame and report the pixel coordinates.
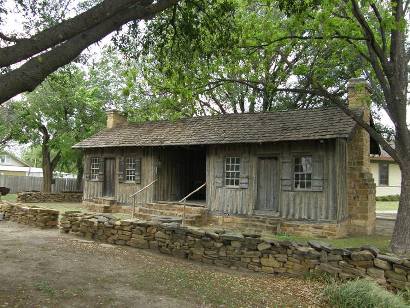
(275, 157)
(113, 158)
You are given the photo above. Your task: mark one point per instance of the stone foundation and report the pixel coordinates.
(30, 215)
(40, 197)
(241, 250)
(280, 225)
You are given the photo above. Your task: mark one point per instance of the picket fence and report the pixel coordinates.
(30, 183)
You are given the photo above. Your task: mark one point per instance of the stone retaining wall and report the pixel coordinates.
(40, 197)
(240, 250)
(30, 215)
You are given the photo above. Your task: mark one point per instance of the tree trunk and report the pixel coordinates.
(47, 169)
(400, 243)
(48, 164)
(80, 173)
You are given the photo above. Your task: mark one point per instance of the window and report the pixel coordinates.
(95, 167)
(130, 166)
(232, 173)
(384, 173)
(2, 159)
(303, 173)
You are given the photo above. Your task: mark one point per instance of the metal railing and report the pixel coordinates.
(186, 197)
(134, 195)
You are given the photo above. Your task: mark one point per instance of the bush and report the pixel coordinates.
(388, 198)
(364, 294)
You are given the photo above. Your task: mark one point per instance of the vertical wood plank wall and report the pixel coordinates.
(179, 171)
(329, 204)
(179, 168)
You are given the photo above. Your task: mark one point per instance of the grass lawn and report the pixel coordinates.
(387, 205)
(381, 242)
(10, 197)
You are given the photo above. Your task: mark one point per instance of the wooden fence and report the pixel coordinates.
(30, 183)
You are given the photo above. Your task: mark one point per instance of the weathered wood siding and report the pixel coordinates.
(328, 203)
(94, 188)
(179, 171)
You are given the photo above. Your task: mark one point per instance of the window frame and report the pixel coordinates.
(381, 164)
(126, 169)
(3, 158)
(232, 174)
(95, 165)
(300, 173)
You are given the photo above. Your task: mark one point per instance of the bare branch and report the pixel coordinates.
(339, 102)
(381, 27)
(37, 69)
(25, 48)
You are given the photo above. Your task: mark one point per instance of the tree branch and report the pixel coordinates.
(372, 43)
(34, 71)
(336, 99)
(65, 30)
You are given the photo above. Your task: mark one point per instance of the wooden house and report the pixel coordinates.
(307, 169)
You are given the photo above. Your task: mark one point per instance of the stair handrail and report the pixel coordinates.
(139, 191)
(192, 192)
(186, 197)
(142, 189)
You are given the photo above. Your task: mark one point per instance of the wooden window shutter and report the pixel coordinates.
(317, 173)
(244, 172)
(286, 174)
(102, 168)
(121, 170)
(138, 170)
(87, 167)
(219, 173)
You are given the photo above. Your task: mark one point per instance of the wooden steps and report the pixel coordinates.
(194, 215)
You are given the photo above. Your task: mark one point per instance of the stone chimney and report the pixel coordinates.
(359, 99)
(114, 119)
(360, 183)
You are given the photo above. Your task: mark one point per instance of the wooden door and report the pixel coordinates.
(267, 183)
(109, 177)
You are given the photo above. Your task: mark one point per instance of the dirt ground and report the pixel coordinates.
(43, 268)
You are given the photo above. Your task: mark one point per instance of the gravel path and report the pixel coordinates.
(43, 268)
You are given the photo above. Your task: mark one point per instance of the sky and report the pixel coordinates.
(13, 24)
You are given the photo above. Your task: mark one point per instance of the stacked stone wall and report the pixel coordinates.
(40, 197)
(241, 250)
(29, 215)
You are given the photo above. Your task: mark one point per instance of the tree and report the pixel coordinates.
(25, 61)
(61, 112)
(341, 39)
(376, 32)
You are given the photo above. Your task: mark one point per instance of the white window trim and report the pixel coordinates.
(230, 172)
(95, 164)
(301, 172)
(133, 174)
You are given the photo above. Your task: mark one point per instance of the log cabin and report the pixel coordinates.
(303, 172)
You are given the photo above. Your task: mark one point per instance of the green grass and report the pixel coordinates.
(387, 205)
(364, 294)
(10, 197)
(381, 242)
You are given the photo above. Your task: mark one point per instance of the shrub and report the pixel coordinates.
(362, 293)
(388, 198)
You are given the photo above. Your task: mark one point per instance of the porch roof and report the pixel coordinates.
(313, 124)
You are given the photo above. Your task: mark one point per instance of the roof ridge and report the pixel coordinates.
(241, 114)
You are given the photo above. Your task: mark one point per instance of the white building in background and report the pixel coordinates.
(386, 174)
(12, 165)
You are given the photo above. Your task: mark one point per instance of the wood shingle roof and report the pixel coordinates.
(313, 124)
